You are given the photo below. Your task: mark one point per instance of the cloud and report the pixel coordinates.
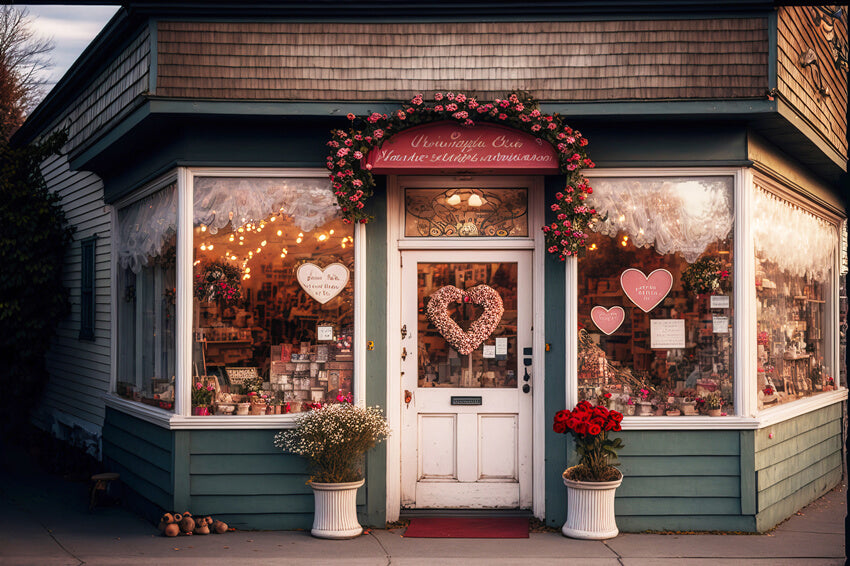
(71, 28)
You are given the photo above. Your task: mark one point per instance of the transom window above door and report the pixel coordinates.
(466, 212)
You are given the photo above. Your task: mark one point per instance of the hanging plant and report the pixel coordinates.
(220, 282)
(353, 183)
(704, 276)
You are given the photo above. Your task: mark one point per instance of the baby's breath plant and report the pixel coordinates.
(334, 438)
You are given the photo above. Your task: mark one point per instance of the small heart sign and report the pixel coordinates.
(607, 320)
(646, 291)
(322, 284)
(480, 329)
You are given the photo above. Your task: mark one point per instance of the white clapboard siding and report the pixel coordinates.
(80, 369)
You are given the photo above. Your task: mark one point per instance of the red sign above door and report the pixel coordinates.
(450, 147)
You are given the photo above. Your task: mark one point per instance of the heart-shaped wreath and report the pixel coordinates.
(480, 329)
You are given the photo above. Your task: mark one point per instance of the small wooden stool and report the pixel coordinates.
(100, 483)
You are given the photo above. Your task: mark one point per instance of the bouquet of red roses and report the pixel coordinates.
(590, 426)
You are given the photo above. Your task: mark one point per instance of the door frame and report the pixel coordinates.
(396, 243)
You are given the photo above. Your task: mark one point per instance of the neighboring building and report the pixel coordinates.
(197, 155)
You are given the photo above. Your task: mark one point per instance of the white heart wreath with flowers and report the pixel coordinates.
(353, 183)
(480, 329)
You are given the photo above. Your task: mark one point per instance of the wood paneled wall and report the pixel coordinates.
(798, 31)
(572, 61)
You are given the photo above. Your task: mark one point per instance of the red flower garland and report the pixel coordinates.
(353, 183)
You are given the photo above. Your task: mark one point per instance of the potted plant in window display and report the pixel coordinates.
(592, 483)
(202, 395)
(334, 439)
(713, 404)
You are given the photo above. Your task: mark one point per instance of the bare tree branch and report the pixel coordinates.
(23, 58)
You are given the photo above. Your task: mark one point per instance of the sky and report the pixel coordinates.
(72, 28)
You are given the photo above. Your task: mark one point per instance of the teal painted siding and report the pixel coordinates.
(239, 477)
(801, 462)
(555, 388)
(142, 453)
(681, 480)
(375, 511)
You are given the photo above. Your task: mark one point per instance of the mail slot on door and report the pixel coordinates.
(465, 400)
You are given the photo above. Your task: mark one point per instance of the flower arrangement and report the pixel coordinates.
(704, 275)
(219, 281)
(768, 390)
(202, 394)
(334, 438)
(353, 183)
(713, 401)
(253, 385)
(589, 425)
(480, 329)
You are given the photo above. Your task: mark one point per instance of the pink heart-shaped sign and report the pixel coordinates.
(480, 329)
(607, 320)
(646, 291)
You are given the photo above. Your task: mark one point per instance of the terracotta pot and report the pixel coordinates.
(335, 513)
(714, 412)
(590, 509)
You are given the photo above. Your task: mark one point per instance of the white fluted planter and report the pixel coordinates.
(590, 509)
(335, 514)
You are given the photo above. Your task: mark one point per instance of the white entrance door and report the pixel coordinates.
(466, 419)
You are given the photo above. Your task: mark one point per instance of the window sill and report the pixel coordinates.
(167, 419)
(765, 418)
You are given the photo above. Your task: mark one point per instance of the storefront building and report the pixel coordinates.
(225, 282)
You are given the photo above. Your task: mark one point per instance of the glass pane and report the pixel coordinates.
(466, 212)
(660, 338)
(146, 300)
(494, 362)
(274, 296)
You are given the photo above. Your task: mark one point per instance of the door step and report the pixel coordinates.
(412, 513)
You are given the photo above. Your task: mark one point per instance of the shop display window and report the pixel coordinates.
(655, 301)
(273, 287)
(146, 299)
(793, 285)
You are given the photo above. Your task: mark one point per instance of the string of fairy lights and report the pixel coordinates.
(251, 230)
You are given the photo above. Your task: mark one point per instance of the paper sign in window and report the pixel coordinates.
(667, 334)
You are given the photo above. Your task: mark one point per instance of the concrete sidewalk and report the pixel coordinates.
(45, 521)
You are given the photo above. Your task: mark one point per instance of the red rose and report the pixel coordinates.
(562, 416)
(572, 423)
(616, 416)
(559, 427)
(593, 429)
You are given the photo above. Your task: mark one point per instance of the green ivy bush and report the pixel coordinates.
(34, 237)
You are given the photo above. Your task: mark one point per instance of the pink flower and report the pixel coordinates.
(535, 128)
(451, 107)
(552, 126)
(401, 115)
(503, 116)
(379, 133)
(342, 152)
(373, 117)
(462, 115)
(350, 116)
(438, 96)
(438, 108)
(357, 155)
(555, 207)
(460, 97)
(417, 100)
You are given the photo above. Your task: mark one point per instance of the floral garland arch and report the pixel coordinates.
(353, 183)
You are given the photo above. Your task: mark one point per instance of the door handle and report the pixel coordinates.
(403, 354)
(526, 388)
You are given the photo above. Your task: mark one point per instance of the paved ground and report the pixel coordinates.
(44, 521)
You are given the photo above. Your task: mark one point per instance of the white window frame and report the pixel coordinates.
(181, 418)
(744, 323)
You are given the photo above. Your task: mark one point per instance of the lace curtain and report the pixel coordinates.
(218, 200)
(145, 226)
(799, 242)
(683, 215)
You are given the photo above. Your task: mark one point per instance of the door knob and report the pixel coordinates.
(526, 388)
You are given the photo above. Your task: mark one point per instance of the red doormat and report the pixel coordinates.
(468, 527)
